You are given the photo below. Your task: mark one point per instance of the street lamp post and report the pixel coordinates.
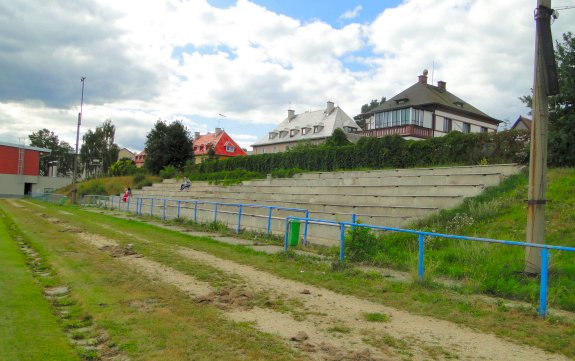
(74, 175)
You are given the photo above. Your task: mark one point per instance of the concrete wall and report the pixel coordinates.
(14, 185)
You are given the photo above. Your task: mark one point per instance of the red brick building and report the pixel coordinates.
(20, 171)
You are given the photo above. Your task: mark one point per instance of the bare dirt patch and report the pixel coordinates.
(327, 311)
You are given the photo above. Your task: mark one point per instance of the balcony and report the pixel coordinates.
(409, 130)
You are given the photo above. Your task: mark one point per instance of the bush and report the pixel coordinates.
(387, 152)
(169, 171)
(95, 187)
(361, 244)
(122, 167)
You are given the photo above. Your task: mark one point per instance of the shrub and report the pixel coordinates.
(168, 171)
(361, 244)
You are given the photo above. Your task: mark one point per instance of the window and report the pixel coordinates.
(417, 118)
(275, 149)
(404, 116)
(273, 135)
(483, 129)
(466, 128)
(230, 148)
(283, 133)
(317, 128)
(305, 130)
(293, 132)
(447, 125)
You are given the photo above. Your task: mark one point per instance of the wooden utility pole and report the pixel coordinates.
(544, 84)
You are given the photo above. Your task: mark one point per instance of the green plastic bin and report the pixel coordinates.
(293, 234)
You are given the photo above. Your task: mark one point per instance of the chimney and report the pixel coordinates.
(196, 135)
(442, 85)
(423, 77)
(330, 107)
(218, 130)
(291, 114)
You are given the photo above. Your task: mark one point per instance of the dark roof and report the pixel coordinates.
(522, 120)
(427, 96)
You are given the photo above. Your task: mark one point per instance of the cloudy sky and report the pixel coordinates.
(241, 64)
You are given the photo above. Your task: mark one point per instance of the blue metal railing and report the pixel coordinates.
(178, 205)
(49, 197)
(421, 247)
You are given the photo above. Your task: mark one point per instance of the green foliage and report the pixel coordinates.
(561, 141)
(94, 187)
(168, 171)
(168, 145)
(361, 244)
(226, 177)
(337, 139)
(387, 152)
(99, 144)
(122, 167)
(61, 152)
(285, 173)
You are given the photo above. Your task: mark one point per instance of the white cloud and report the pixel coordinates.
(351, 14)
(190, 61)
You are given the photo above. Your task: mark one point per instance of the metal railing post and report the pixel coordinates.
(544, 279)
(341, 242)
(178, 209)
(215, 212)
(164, 209)
(286, 234)
(239, 219)
(195, 211)
(152, 208)
(305, 227)
(421, 239)
(270, 219)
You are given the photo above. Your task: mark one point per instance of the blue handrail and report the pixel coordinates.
(421, 244)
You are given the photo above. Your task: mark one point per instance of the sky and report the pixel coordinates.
(241, 64)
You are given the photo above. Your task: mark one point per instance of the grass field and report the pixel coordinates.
(146, 320)
(26, 318)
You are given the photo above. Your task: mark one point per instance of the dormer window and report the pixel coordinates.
(401, 101)
(305, 130)
(293, 132)
(283, 133)
(317, 128)
(272, 135)
(458, 104)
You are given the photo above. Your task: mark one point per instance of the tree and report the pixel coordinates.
(366, 108)
(336, 139)
(61, 155)
(561, 141)
(99, 145)
(168, 145)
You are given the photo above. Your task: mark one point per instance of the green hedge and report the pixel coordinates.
(388, 152)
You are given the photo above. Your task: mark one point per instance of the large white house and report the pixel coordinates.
(312, 126)
(424, 111)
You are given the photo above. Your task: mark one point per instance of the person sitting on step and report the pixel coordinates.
(186, 185)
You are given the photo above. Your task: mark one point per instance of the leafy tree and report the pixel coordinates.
(366, 108)
(122, 167)
(561, 141)
(168, 145)
(336, 139)
(99, 144)
(62, 152)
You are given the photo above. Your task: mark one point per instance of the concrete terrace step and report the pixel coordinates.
(391, 198)
(340, 199)
(503, 169)
(485, 179)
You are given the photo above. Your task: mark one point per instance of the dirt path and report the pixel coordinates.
(326, 325)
